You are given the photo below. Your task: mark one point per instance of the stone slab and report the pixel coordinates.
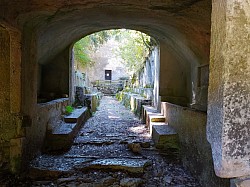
(130, 165)
(150, 116)
(48, 166)
(240, 182)
(76, 115)
(155, 123)
(157, 118)
(165, 137)
(61, 138)
(147, 109)
(140, 101)
(65, 128)
(128, 182)
(94, 141)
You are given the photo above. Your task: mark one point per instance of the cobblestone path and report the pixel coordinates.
(100, 156)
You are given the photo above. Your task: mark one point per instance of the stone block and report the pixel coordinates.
(61, 137)
(165, 137)
(94, 100)
(146, 110)
(129, 165)
(154, 117)
(139, 102)
(157, 118)
(79, 95)
(76, 116)
(240, 182)
(154, 124)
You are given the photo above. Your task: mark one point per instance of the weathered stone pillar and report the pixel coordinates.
(11, 131)
(157, 102)
(228, 128)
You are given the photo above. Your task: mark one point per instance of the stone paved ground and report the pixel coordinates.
(100, 156)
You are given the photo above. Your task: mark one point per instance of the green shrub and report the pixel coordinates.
(148, 86)
(68, 110)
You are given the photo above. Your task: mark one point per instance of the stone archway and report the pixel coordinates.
(49, 28)
(183, 29)
(184, 41)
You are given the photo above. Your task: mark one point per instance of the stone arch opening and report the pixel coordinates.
(184, 46)
(48, 37)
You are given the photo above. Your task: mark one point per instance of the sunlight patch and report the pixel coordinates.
(113, 117)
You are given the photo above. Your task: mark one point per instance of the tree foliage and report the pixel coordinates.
(82, 50)
(133, 47)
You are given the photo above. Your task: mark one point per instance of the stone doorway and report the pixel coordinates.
(108, 75)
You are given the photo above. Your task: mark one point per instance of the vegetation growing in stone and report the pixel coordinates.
(148, 86)
(68, 110)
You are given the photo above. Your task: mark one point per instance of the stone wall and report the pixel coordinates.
(12, 120)
(174, 77)
(79, 95)
(133, 102)
(195, 150)
(183, 77)
(149, 77)
(48, 114)
(55, 76)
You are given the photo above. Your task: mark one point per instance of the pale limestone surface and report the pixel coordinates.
(229, 88)
(240, 182)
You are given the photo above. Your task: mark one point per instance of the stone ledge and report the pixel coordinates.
(53, 102)
(62, 137)
(76, 115)
(154, 117)
(165, 137)
(147, 109)
(154, 124)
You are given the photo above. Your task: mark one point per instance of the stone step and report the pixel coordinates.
(76, 116)
(64, 128)
(137, 102)
(165, 137)
(50, 166)
(153, 124)
(146, 110)
(129, 165)
(154, 117)
(62, 137)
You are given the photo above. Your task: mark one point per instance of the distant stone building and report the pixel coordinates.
(108, 66)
